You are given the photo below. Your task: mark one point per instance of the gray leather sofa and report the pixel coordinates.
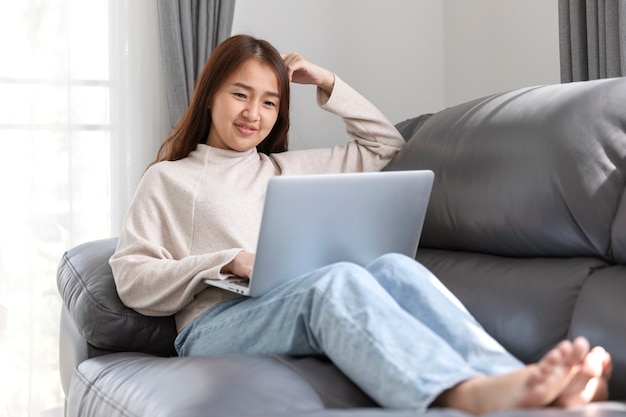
(526, 224)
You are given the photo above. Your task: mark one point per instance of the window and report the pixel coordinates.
(82, 113)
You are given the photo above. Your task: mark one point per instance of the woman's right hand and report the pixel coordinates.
(303, 71)
(241, 265)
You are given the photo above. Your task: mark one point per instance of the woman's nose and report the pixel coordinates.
(251, 112)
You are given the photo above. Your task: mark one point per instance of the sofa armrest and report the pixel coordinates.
(86, 285)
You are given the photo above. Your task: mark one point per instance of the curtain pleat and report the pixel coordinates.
(190, 30)
(592, 39)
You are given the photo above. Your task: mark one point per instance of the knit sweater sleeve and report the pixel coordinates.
(153, 270)
(374, 142)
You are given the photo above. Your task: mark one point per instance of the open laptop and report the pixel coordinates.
(310, 221)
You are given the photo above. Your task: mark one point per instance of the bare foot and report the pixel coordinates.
(532, 386)
(590, 382)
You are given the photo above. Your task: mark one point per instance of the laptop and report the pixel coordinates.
(311, 221)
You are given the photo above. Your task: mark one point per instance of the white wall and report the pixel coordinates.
(407, 56)
(497, 45)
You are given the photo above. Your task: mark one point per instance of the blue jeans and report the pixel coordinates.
(392, 328)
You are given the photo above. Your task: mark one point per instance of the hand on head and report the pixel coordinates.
(302, 71)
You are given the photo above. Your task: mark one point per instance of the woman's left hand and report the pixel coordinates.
(302, 71)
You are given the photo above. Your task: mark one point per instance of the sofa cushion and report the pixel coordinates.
(133, 384)
(141, 385)
(538, 171)
(600, 316)
(86, 285)
(524, 303)
(531, 304)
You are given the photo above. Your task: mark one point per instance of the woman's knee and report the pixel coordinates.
(395, 269)
(393, 259)
(398, 263)
(339, 277)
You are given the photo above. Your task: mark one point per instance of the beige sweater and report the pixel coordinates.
(191, 217)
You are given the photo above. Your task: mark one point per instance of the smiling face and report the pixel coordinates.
(245, 107)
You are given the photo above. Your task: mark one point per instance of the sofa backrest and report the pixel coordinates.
(538, 171)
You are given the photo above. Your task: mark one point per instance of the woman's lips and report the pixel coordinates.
(245, 129)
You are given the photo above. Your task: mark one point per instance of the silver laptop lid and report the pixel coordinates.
(312, 221)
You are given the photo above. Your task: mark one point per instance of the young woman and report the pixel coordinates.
(391, 326)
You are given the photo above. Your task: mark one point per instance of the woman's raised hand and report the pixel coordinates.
(302, 71)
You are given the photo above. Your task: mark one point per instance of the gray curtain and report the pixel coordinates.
(190, 30)
(592, 39)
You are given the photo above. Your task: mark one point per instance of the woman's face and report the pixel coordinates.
(245, 107)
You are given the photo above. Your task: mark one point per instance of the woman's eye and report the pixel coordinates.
(270, 103)
(239, 95)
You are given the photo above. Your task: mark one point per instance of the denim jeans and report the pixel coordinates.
(391, 327)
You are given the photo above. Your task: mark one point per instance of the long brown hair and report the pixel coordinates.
(194, 126)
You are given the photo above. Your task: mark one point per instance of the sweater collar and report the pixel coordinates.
(205, 151)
